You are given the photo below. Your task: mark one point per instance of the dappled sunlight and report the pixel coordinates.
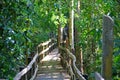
(54, 56)
(49, 57)
(51, 69)
(53, 76)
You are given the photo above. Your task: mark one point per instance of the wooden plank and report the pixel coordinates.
(51, 69)
(107, 46)
(98, 76)
(25, 70)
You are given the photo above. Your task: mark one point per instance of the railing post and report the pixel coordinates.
(42, 50)
(48, 50)
(107, 46)
(48, 46)
(38, 51)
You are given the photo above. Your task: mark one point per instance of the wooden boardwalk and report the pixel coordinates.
(50, 68)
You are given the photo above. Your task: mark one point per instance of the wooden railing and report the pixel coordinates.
(29, 72)
(98, 76)
(68, 61)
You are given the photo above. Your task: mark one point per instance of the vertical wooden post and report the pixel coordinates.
(71, 26)
(48, 50)
(67, 43)
(81, 61)
(59, 35)
(42, 50)
(61, 38)
(38, 50)
(108, 24)
(60, 30)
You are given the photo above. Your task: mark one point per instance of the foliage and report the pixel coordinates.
(90, 28)
(26, 23)
(23, 25)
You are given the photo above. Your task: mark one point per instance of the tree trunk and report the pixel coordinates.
(78, 49)
(107, 47)
(59, 35)
(71, 26)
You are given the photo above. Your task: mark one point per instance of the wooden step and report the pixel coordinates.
(51, 69)
(53, 76)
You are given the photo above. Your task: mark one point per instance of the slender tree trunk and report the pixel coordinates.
(107, 47)
(81, 61)
(71, 26)
(59, 35)
(78, 49)
(59, 32)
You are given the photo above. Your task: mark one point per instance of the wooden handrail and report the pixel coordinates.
(98, 76)
(45, 43)
(75, 70)
(44, 51)
(34, 61)
(25, 70)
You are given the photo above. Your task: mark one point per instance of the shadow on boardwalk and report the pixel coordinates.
(50, 68)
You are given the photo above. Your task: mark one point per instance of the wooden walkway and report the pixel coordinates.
(50, 68)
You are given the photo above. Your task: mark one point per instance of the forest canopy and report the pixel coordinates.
(26, 23)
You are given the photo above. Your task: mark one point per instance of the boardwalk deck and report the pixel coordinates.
(50, 68)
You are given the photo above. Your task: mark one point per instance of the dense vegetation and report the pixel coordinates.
(90, 24)
(26, 23)
(23, 24)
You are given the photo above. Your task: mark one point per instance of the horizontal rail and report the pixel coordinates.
(98, 76)
(45, 43)
(47, 49)
(75, 69)
(25, 70)
(49, 44)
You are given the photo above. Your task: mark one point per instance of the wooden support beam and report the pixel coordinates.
(107, 40)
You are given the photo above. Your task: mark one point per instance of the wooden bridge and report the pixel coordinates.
(50, 68)
(51, 63)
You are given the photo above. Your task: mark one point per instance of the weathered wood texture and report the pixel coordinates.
(98, 76)
(29, 72)
(51, 69)
(59, 34)
(108, 24)
(71, 25)
(68, 61)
